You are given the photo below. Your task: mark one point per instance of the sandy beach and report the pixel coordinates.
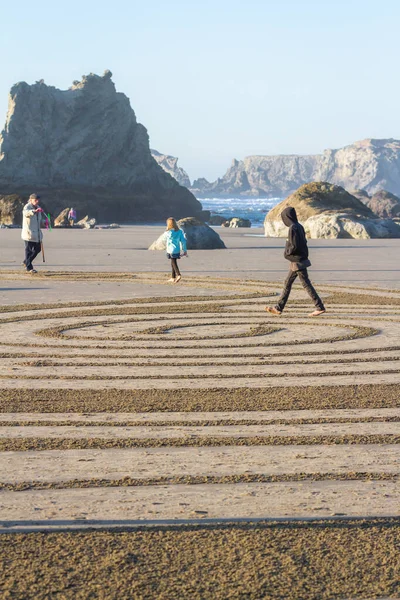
(130, 407)
(249, 255)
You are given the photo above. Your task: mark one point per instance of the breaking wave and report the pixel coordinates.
(254, 209)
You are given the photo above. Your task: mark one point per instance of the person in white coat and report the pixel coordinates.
(31, 232)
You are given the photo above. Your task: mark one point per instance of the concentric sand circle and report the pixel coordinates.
(233, 412)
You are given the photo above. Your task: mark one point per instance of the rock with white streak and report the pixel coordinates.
(238, 222)
(328, 211)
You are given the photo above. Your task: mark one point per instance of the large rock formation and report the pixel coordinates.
(328, 211)
(383, 203)
(199, 236)
(11, 209)
(84, 147)
(370, 164)
(170, 165)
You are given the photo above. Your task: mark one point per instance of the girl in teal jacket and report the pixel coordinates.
(175, 241)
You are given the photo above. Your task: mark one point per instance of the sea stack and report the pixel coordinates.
(84, 147)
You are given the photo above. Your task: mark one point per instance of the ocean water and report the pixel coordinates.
(254, 209)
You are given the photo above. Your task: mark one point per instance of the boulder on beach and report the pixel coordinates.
(384, 204)
(62, 219)
(111, 226)
(331, 226)
(238, 222)
(199, 236)
(86, 223)
(328, 211)
(216, 220)
(11, 209)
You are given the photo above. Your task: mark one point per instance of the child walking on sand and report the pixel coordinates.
(296, 251)
(176, 247)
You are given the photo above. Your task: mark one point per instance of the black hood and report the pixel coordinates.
(288, 216)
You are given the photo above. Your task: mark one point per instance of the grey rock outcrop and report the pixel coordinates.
(341, 225)
(369, 164)
(233, 222)
(84, 147)
(62, 219)
(383, 203)
(170, 165)
(11, 209)
(328, 211)
(361, 195)
(238, 222)
(87, 223)
(216, 220)
(199, 236)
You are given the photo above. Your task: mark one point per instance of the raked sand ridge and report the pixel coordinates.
(200, 409)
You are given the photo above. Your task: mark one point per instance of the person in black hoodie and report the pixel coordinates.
(296, 251)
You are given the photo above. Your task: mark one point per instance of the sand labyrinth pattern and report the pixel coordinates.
(200, 407)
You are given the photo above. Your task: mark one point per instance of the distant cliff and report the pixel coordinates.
(370, 164)
(84, 147)
(170, 165)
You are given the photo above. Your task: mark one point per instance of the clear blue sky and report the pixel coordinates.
(214, 80)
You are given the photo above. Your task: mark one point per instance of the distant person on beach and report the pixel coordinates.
(176, 247)
(296, 251)
(72, 217)
(31, 233)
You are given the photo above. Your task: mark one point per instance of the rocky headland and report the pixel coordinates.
(328, 211)
(83, 147)
(370, 164)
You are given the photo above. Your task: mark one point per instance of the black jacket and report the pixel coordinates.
(296, 249)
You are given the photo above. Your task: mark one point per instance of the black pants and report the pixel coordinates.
(32, 249)
(175, 268)
(307, 285)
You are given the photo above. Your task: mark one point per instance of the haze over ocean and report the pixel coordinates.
(221, 80)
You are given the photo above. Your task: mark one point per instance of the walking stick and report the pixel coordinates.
(42, 248)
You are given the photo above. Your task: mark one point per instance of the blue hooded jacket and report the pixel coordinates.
(175, 240)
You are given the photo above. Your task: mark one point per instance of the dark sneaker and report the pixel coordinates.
(32, 271)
